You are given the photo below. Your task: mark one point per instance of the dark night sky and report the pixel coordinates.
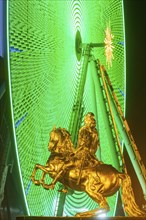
(135, 26)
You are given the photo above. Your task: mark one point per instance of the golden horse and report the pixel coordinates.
(98, 181)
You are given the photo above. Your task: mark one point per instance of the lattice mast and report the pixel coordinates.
(114, 120)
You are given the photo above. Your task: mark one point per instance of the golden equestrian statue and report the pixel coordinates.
(80, 170)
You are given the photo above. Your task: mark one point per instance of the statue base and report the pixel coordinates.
(78, 218)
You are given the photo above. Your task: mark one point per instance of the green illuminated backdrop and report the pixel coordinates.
(44, 77)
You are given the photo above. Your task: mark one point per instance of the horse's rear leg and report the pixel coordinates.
(103, 205)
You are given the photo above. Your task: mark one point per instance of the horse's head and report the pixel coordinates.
(60, 141)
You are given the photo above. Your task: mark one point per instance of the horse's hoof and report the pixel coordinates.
(51, 186)
(37, 182)
(48, 186)
(63, 190)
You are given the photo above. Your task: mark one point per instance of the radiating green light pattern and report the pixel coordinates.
(45, 76)
(124, 37)
(12, 113)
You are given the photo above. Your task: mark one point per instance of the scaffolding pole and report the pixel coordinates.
(107, 127)
(127, 137)
(75, 120)
(75, 117)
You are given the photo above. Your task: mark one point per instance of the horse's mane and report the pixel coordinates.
(66, 139)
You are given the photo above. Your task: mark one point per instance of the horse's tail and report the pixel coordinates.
(130, 206)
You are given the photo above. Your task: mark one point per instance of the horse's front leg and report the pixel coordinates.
(55, 179)
(43, 168)
(42, 180)
(45, 185)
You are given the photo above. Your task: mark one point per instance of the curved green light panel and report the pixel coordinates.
(45, 75)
